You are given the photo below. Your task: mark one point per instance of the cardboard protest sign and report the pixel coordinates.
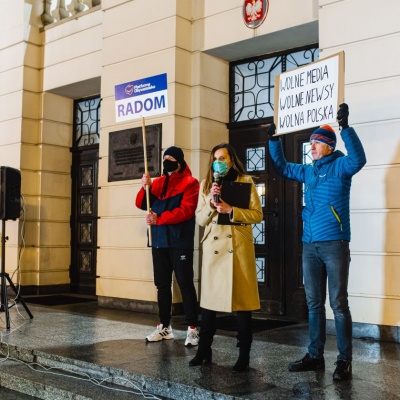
(141, 98)
(309, 96)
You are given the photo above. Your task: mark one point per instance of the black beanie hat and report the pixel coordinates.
(177, 153)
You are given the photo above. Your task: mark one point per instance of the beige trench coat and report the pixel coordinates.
(229, 276)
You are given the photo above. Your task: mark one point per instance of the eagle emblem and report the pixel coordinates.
(254, 12)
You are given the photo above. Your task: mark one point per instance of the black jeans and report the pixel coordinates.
(180, 261)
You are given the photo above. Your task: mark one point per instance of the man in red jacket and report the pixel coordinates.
(173, 201)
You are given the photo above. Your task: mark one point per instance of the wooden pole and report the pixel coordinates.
(146, 170)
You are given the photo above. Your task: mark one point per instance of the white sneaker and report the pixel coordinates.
(192, 337)
(160, 333)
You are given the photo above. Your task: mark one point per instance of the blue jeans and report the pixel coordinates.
(321, 261)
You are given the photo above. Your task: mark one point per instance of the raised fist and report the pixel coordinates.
(271, 132)
(343, 116)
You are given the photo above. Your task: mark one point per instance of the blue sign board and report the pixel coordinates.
(141, 98)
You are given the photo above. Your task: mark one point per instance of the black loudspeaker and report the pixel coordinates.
(10, 193)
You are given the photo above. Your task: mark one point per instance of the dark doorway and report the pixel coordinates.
(296, 147)
(84, 215)
(84, 220)
(278, 239)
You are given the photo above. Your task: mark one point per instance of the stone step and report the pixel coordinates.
(57, 384)
(7, 394)
(52, 377)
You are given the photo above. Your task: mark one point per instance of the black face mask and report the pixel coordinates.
(170, 166)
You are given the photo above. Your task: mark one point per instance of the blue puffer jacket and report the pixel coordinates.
(327, 183)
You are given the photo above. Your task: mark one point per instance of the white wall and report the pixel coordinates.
(369, 36)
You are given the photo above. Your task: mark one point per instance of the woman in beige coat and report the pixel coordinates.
(229, 277)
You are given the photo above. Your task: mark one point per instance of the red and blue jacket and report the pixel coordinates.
(174, 199)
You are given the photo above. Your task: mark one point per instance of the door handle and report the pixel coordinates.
(273, 213)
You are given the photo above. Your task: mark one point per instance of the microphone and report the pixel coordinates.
(216, 180)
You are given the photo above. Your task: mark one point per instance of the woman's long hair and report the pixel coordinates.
(237, 165)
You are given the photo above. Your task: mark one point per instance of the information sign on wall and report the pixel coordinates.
(141, 98)
(126, 155)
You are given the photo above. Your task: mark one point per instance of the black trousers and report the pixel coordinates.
(180, 261)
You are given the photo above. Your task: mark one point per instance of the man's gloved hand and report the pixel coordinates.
(271, 132)
(343, 116)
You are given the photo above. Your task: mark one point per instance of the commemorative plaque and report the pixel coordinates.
(126, 156)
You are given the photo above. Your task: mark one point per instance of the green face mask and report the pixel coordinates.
(221, 167)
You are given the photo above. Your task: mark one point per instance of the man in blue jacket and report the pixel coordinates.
(326, 236)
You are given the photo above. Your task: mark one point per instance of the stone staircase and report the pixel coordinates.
(46, 376)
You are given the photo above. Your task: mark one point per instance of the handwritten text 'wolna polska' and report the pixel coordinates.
(306, 97)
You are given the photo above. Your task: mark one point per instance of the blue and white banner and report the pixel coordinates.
(141, 98)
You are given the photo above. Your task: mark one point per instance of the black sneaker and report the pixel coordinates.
(343, 371)
(307, 363)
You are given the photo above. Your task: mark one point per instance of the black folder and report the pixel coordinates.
(236, 194)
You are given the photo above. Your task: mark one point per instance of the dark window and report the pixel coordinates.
(252, 82)
(87, 121)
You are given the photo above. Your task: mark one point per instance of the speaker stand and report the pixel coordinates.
(6, 278)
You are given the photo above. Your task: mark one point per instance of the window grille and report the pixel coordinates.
(252, 83)
(260, 265)
(87, 122)
(255, 159)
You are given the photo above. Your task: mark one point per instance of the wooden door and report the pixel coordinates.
(84, 219)
(278, 237)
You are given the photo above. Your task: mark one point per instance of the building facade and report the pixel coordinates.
(59, 65)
